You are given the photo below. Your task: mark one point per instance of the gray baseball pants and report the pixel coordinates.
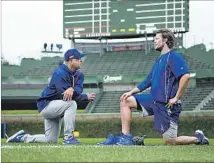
(53, 114)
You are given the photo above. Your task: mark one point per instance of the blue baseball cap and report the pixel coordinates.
(73, 54)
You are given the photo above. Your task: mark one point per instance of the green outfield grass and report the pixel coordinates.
(15, 112)
(154, 151)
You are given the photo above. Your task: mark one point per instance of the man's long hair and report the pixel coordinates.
(169, 35)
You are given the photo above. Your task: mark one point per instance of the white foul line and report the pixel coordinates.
(69, 146)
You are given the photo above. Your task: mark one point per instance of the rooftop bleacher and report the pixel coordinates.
(200, 53)
(9, 70)
(32, 67)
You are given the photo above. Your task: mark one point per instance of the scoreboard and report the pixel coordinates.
(126, 18)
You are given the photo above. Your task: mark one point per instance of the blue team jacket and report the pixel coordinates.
(62, 78)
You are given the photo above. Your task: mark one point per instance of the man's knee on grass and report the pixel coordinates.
(169, 137)
(130, 102)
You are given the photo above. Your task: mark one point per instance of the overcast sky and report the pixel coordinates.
(26, 25)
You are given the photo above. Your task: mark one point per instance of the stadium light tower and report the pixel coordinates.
(51, 47)
(59, 46)
(47, 50)
(45, 46)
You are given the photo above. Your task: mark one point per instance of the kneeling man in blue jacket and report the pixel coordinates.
(59, 100)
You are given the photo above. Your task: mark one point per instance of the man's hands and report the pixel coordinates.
(68, 94)
(125, 96)
(91, 96)
(172, 102)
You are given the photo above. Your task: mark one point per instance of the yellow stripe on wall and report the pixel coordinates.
(131, 29)
(122, 30)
